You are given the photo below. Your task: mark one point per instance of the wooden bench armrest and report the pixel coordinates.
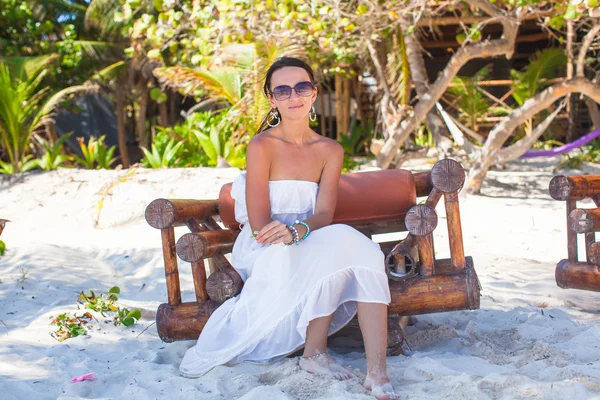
(167, 213)
(193, 247)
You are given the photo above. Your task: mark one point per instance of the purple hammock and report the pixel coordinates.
(564, 148)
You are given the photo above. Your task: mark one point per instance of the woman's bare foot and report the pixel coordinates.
(325, 365)
(381, 388)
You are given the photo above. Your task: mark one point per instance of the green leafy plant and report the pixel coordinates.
(23, 165)
(2, 248)
(106, 303)
(23, 105)
(349, 164)
(216, 146)
(70, 326)
(53, 157)
(358, 136)
(101, 303)
(423, 137)
(544, 64)
(127, 317)
(472, 103)
(526, 84)
(95, 154)
(589, 153)
(165, 152)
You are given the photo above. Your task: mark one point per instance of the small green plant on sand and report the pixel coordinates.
(23, 276)
(70, 326)
(106, 303)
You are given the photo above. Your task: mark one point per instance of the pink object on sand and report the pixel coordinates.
(86, 377)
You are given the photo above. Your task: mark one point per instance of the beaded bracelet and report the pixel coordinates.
(295, 235)
(306, 226)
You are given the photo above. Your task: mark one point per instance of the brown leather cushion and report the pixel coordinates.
(363, 197)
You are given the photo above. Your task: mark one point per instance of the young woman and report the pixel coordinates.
(304, 278)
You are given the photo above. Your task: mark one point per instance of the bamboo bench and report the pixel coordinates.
(570, 272)
(372, 202)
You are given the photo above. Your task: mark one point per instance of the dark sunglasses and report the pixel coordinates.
(284, 92)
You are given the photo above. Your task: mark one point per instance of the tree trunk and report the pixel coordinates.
(571, 100)
(141, 117)
(594, 113)
(419, 75)
(504, 129)
(339, 90)
(121, 123)
(163, 113)
(521, 147)
(491, 48)
(585, 45)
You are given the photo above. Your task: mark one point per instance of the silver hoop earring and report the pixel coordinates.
(313, 114)
(273, 115)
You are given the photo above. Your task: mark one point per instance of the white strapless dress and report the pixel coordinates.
(286, 287)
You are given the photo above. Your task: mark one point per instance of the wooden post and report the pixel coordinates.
(421, 220)
(593, 252)
(571, 234)
(457, 251)
(448, 175)
(184, 321)
(441, 292)
(193, 247)
(426, 257)
(577, 187)
(162, 213)
(590, 238)
(423, 183)
(199, 276)
(212, 267)
(577, 275)
(224, 284)
(171, 271)
(584, 220)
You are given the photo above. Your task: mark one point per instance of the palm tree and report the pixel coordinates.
(24, 104)
(237, 83)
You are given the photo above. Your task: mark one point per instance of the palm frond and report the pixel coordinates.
(266, 53)
(100, 50)
(471, 100)
(110, 72)
(398, 70)
(101, 14)
(25, 68)
(224, 84)
(66, 5)
(544, 64)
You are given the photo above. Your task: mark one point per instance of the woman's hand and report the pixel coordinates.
(274, 233)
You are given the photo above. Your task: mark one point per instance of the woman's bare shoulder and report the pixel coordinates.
(330, 147)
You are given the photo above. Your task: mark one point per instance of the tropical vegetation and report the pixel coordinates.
(185, 77)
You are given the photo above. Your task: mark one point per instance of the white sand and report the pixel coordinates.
(530, 339)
